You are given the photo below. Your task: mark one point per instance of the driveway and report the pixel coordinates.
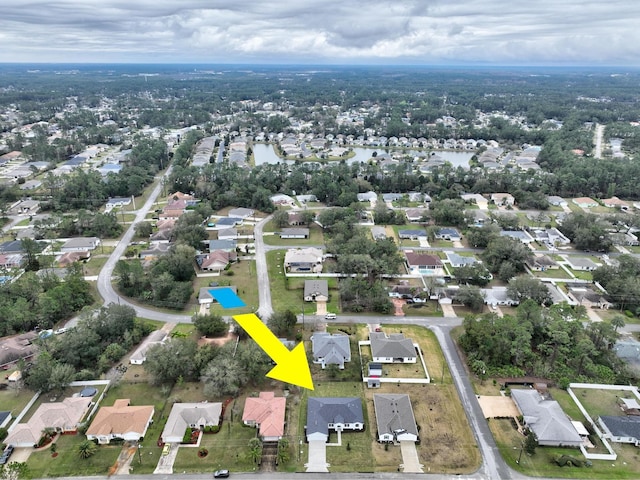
(21, 454)
(410, 460)
(165, 464)
(321, 308)
(448, 311)
(317, 457)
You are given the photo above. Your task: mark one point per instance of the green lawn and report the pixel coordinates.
(282, 297)
(42, 465)
(554, 273)
(94, 265)
(243, 278)
(14, 400)
(429, 309)
(316, 237)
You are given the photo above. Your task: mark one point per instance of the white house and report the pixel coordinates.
(394, 348)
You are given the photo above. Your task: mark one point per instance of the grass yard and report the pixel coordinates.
(429, 309)
(582, 275)
(243, 278)
(94, 265)
(316, 237)
(42, 465)
(359, 458)
(601, 402)
(553, 273)
(14, 400)
(542, 464)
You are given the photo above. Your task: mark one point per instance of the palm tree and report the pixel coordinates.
(255, 449)
(87, 449)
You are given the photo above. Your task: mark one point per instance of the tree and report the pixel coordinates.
(473, 274)
(143, 229)
(617, 322)
(281, 218)
(86, 449)
(166, 363)
(283, 451)
(530, 443)
(224, 375)
(255, 449)
(471, 297)
(282, 323)
(14, 471)
(502, 250)
(210, 325)
(523, 287)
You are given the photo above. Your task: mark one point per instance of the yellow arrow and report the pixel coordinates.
(292, 366)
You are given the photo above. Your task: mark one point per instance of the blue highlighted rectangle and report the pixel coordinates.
(226, 297)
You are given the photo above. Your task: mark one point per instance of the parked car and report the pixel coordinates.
(330, 316)
(166, 449)
(221, 474)
(6, 454)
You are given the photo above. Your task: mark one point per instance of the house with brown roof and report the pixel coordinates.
(69, 258)
(585, 202)
(422, 262)
(174, 209)
(615, 202)
(266, 412)
(216, 261)
(121, 421)
(64, 417)
(18, 347)
(503, 199)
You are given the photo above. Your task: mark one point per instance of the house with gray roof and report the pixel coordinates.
(330, 349)
(241, 213)
(316, 291)
(333, 413)
(546, 419)
(294, 233)
(367, 197)
(621, 429)
(415, 234)
(193, 415)
(448, 233)
(416, 215)
(393, 348)
(520, 235)
(226, 245)
(498, 296)
(80, 244)
(581, 263)
(394, 418)
(303, 260)
(456, 260)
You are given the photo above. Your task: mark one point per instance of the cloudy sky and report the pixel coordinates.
(504, 32)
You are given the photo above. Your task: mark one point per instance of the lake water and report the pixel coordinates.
(264, 153)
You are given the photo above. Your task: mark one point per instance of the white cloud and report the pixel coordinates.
(332, 31)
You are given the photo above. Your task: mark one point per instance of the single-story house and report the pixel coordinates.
(541, 263)
(64, 416)
(422, 261)
(625, 239)
(163, 235)
(316, 291)
(589, 297)
(122, 421)
(415, 215)
(498, 296)
(412, 234)
(448, 233)
(296, 233)
(585, 202)
(31, 185)
(458, 261)
(174, 209)
(266, 412)
(80, 244)
(5, 419)
(190, 415)
(69, 258)
(475, 198)
(226, 245)
(551, 236)
(10, 260)
(241, 213)
(281, 199)
(25, 207)
(367, 197)
(520, 235)
(546, 419)
(118, 202)
(303, 260)
(15, 348)
(140, 355)
(215, 261)
(503, 199)
(228, 234)
(581, 263)
(155, 250)
(332, 413)
(394, 348)
(227, 222)
(330, 349)
(557, 201)
(394, 418)
(615, 202)
(378, 232)
(621, 428)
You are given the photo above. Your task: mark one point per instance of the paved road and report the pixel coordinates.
(597, 140)
(104, 278)
(265, 310)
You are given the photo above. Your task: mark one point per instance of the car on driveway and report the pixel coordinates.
(6, 454)
(221, 474)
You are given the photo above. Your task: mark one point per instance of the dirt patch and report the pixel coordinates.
(497, 406)
(218, 340)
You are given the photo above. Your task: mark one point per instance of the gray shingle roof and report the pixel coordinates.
(393, 346)
(321, 411)
(316, 287)
(546, 418)
(394, 412)
(623, 426)
(334, 349)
